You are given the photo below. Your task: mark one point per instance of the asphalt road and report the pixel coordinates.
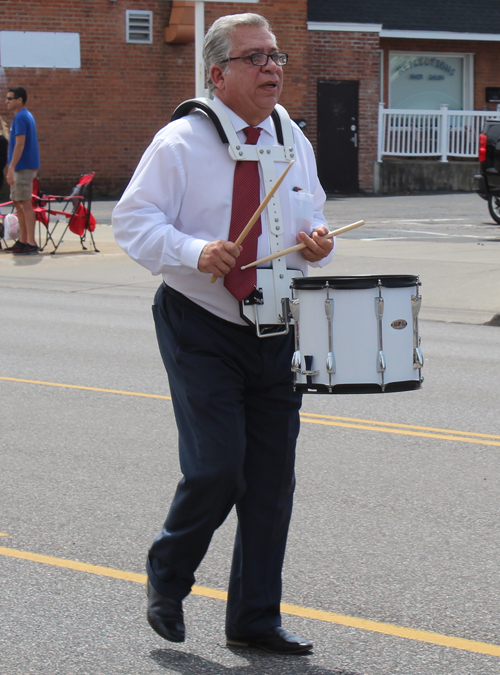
(395, 533)
(455, 217)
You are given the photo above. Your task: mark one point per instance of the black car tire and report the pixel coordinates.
(494, 208)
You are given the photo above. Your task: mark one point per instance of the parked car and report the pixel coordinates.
(488, 181)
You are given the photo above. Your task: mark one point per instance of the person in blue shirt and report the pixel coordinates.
(24, 161)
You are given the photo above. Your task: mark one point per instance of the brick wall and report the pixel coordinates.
(101, 116)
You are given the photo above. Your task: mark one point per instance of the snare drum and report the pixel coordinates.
(356, 334)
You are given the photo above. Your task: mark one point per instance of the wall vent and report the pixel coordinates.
(139, 26)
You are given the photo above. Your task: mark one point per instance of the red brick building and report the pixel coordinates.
(102, 79)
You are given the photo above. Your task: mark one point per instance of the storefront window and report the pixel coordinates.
(424, 81)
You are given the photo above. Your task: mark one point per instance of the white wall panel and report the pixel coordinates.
(30, 49)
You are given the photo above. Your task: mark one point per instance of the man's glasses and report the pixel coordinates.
(10, 98)
(259, 59)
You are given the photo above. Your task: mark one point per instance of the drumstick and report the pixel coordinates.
(259, 211)
(298, 247)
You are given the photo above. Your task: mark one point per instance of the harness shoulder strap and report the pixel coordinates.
(206, 106)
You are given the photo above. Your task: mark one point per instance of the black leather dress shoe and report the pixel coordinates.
(165, 616)
(276, 640)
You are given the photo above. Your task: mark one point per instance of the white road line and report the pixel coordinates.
(436, 234)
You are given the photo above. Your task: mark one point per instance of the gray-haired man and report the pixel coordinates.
(236, 411)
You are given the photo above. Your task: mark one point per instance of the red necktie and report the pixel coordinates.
(246, 200)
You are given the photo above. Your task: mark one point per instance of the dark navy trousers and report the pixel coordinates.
(238, 421)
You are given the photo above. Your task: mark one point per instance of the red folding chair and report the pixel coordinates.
(75, 214)
(41, 213)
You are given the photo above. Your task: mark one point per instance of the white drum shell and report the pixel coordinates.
(355, 336)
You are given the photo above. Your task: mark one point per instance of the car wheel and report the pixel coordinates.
(494, 208)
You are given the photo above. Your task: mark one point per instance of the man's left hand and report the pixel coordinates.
(317, 245)
(10, 177)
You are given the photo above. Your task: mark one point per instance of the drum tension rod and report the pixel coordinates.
(380, 313)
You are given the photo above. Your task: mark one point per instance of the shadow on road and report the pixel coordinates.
(191, 664)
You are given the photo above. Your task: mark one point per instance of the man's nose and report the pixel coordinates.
(270, 66)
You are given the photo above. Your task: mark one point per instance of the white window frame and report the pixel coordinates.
(141, 14)
(381, 75)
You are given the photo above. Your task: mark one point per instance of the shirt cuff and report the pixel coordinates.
(191, 251)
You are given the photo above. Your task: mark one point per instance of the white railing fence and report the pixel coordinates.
(430, 133)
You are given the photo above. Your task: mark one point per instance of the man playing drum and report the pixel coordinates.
(236, 411)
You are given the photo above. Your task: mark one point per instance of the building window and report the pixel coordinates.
(426, 80)
(139, 26)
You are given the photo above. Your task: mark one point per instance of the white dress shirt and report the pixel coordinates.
(179, 199)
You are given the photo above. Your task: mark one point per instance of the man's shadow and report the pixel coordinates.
(192, 664)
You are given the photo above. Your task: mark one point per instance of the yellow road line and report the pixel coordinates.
(314, 418)
(77, 386)
(402, 426)
(73, 565)
(429, 637)
(404, 432)
(2, 534)
(395, 631)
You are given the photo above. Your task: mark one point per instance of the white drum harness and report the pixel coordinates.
(268, 306)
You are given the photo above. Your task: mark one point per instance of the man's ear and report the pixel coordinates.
(217, 76)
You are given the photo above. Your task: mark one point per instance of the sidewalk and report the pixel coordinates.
(460, 281)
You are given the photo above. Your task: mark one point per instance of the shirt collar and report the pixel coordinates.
(239, 124)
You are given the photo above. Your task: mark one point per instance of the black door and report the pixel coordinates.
(338, 136)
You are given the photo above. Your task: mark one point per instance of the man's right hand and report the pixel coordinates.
(218, 257)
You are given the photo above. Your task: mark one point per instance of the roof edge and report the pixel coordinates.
(438, 35)
(345, 27)
(341, 27)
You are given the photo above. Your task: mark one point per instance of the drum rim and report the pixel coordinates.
(359, 387)
(360, 281)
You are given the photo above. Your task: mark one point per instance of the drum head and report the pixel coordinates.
(360, 281)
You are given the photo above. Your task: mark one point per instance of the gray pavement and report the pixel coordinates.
(396, 510)
(448, 240)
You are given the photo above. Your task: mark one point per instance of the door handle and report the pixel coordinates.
(354, 139)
